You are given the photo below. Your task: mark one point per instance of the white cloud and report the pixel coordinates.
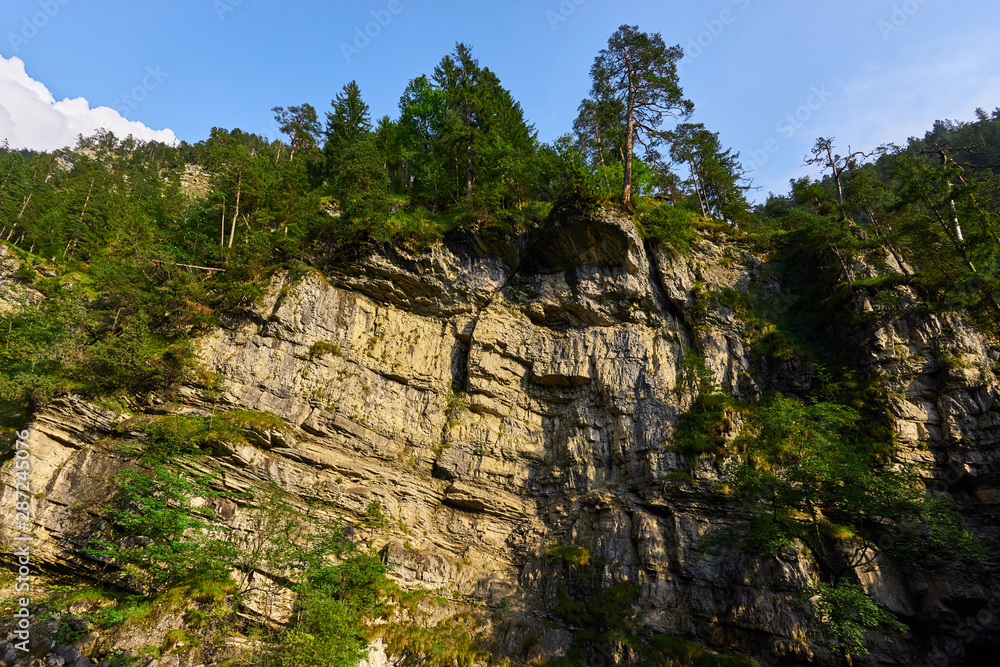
(30, 117)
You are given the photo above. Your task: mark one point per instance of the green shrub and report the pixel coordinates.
(178, 641)
(254, 419)
(681, 651)
(845, 613)
(446, 644)
(707, 427)
(25, 273)
(321, 348)
(673, 225)
(569, 553)
(335, 606)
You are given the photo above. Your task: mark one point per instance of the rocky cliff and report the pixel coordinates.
(507, 402)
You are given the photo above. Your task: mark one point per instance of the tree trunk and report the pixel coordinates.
(468, 173)
(600, 146)
(697, 189)
(954, 217)
(236, 215)
(627, 181)
(629, 131)
(950, 233)
(836, 172)
(87, 201)
(958, 236)
(843, 265)
(222, 237)
(24, 206)
(888, 244)
(704, 192)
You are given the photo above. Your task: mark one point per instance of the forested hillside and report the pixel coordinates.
(161, 240)
(128, 221)
(129, 252)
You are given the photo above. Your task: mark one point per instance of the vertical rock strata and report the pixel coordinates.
(497, 402)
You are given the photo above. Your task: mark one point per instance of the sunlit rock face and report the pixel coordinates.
(500, 398)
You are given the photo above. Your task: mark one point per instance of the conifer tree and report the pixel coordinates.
(239, 174)
(463, 138)
(639, 72)
(715, 173)
(300, 124)
(348, 122)
(362, 188)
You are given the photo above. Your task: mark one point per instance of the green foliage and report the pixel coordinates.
(679, 651)
(606, 613)
(932, 535)
(566, 178)
(321, 348)
(811, 476)
(445, 644)
(362, 190)
(164, 539)
(347, 123)
(929, 207)
(123, 611)
(707, 427)
(845, 613)
(178, 641)
(715, 173)
(375, 517)
(570, 554)
(162, 532)
(341, 589)
(334, 605)
(136, 361)
(670, 224)
(255, 419)
(633, 60)
(301, 124)
(41, 349)
(694, 378)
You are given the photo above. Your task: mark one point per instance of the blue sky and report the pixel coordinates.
(769, 77)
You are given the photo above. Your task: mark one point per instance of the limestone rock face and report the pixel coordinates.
(497, 401)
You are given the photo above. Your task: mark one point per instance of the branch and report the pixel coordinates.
(188, 266)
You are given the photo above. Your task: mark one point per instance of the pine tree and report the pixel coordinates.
(300, 124)
(240, 174)
(639, 72)
(600, 132)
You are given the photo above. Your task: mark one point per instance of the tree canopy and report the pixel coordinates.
(635, 87)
